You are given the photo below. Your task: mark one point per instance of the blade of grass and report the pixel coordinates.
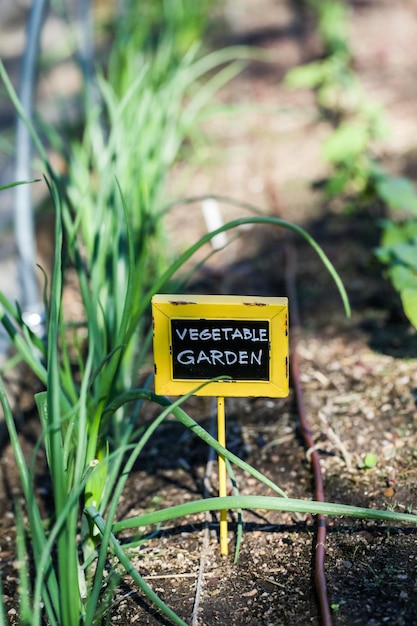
(44, 557)
(216, 504)
(260, 502)
(26, 349)
(137, 449)
(198, 430)
(50, 590)
(261, 218)
(69, 596)
(20, 182)
(18, 107)
(25, 610)
(130, 570)
(272, 221)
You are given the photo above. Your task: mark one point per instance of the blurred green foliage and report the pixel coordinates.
(357, 125)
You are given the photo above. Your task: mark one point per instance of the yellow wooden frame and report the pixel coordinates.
(233, 308)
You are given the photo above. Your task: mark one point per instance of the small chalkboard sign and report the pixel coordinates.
(197, 338)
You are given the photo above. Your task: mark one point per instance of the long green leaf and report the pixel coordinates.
(199, 431)
(271, 221)
(50, 591)
(130, 570)
(25, 610)
(20, 182)
(137, 449)
(261, 502)
(17, 105)
(27, 349)
(67, 550)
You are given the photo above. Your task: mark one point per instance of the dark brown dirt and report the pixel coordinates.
(359, 376)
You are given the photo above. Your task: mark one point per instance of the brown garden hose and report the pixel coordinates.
(320, 539)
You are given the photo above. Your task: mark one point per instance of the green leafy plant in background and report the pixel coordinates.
(167, 29)
(357, 125)
(356, 122)
(398, 251)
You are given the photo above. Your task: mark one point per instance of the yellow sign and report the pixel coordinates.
(244, 338)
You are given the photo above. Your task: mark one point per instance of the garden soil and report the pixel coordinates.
(358, 375)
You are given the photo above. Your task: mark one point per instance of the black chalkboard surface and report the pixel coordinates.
(205, 348)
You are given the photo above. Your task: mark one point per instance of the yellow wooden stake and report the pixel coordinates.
(221, 436)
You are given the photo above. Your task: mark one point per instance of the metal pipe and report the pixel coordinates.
(23, 214)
